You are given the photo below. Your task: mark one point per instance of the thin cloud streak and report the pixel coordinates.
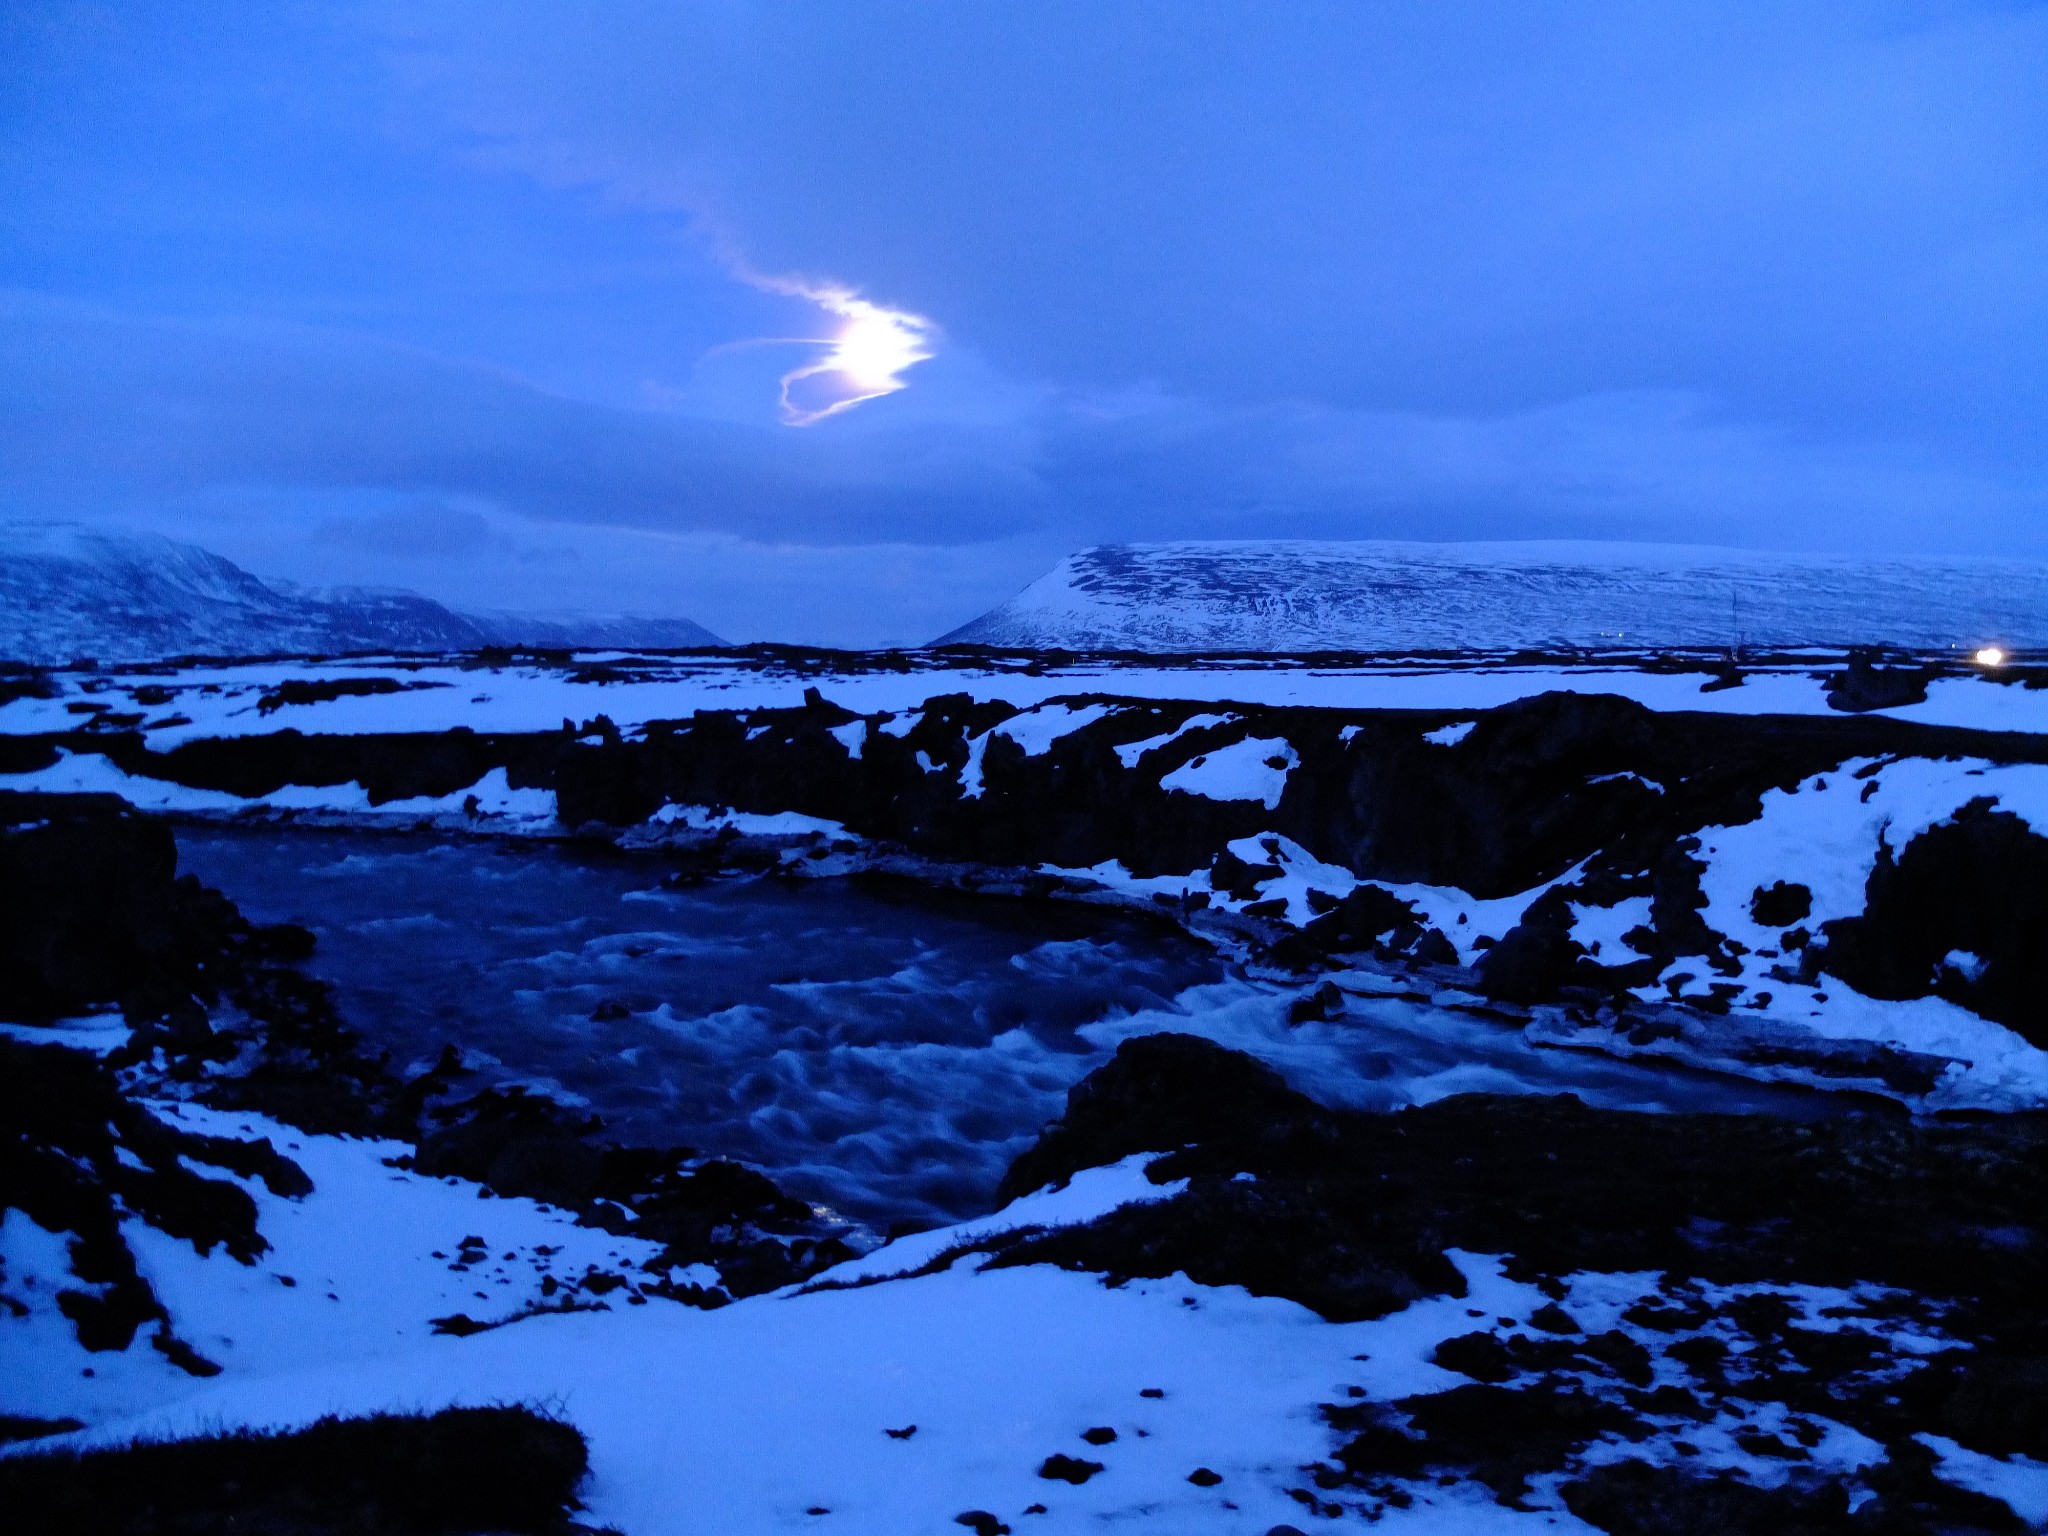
(871, 353)
(867, 358)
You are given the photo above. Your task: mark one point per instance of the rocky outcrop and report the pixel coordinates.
(1923, 1229)
(1961, 912)
(221, 1011)
(1601, 800)
(78, 1156)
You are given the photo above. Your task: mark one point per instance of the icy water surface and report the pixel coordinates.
(885, 1050)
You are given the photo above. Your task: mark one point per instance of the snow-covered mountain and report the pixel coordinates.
(1385, 595)
(68, 591)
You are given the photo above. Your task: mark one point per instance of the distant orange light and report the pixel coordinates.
(1991, 656)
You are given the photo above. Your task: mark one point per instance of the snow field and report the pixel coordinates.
(357, 1270)
(207, 701)
(886, 1407)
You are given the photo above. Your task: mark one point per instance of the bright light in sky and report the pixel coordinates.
(866, 359)
(1991, 656)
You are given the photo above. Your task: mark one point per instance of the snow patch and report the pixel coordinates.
(1091, 1193)
(705, 818)
(1035, 730)
(1255, 768)
(2020, 1482)
(1129, 753)
(1602, 931)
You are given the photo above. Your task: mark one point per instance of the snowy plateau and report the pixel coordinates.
(759, 1090)
(1281, 595)
(68, 591)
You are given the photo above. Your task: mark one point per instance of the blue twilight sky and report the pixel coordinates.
(493, 298)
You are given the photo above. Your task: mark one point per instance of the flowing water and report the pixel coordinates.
(882, 1049)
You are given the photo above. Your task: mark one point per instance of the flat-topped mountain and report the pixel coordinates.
(68, 591)
(1388, 595)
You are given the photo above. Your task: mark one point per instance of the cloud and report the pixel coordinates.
(410, 528)
(109, 413)
(1829, 216)
(466, 303)
(104, 410)
(863, 360)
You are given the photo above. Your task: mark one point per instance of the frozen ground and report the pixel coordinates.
(891, 1405)
(201, 701)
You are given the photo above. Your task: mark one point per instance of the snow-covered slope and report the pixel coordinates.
(1384, 595)
(68, 591)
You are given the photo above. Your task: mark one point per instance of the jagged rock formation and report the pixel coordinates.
(1385, 595)
(68, 592)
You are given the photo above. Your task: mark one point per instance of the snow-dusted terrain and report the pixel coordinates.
(911, 1386)
(1769, 1016)
(206, 701)
(1542, 911)
(68, 591)
(1385, 595)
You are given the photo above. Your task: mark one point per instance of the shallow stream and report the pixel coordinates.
(882, 1049)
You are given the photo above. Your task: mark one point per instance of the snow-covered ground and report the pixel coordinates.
(205, 701)
(877, 1404)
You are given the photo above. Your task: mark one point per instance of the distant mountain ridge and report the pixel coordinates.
(68, 591)
(1389, 595)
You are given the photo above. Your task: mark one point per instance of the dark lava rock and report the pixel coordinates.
(1319, 1006)
(2000, 1406)
(517, 1142)
(1975, 886)
(1367, 918)
(78, 1156)
(1350, 1213)
(1634, 1498)
(1068, 1469)
(1504, 1437)
(461, 1470)
(1781, 905)
(1159, 1092)
(1863, 685)
(303, 690)
(91, 909)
